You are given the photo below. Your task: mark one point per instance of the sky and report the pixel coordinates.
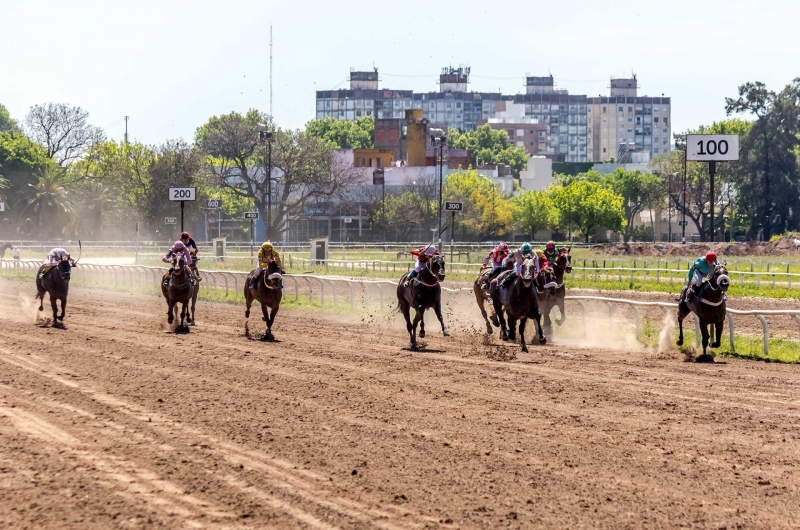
(172, 64)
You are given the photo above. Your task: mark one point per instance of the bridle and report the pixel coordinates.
(437, 276)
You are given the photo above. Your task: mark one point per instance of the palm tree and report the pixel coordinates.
(49, 205)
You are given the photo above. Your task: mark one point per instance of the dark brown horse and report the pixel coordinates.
(180, 290)
(483, 296)
(561, 267)
(269, 292)
(55, 282)
(3, 249)
(421, 294)
(708, 303)
(518, 301)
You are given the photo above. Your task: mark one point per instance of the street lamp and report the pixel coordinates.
(378, 178)
(265, 137)
(680, 144)
(439, 137)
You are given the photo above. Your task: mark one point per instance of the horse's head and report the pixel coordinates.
(178, 265)
(720, 278)
(436, 266)
(547, 279)
(564, 260)
(65, 269)
(526, 272)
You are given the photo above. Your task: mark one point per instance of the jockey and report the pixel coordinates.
(266, 253)
(550, 252)
(543, 261)
(178, 250)
(517, 257)
(423, 255)
(188, 241)
(497, 258)
(56, 255)
(699, 270)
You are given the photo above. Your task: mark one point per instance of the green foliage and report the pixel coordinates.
(639, 192)
(344, 134)
(49, 207)
(588, 205)
(6, 123)
(487, 214)
(534, 211)
(489, 146)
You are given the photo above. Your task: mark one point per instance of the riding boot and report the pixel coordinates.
(253, 282)
(509, 279)
(166, 280)
(689, 293)
(411, 276)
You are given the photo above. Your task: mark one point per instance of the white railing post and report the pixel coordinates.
(731, 330)
(765, 326)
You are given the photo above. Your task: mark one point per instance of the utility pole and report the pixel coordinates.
(270, 73)
(126, 129)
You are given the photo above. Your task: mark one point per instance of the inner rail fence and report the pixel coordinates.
(343, 290)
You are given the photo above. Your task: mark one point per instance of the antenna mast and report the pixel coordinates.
(270, 73)
(126, 129)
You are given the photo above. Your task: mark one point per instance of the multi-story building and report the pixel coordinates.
(546, 120)
(628, 127)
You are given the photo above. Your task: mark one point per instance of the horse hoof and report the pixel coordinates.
(489, 330)
(680, 342)
(422, 333)
(705, 358)
(41, 308)
(414, 347)
(247, 314)
(524, 349)
(445, 333)
(495, 321)
(714, 345)
(542, 340)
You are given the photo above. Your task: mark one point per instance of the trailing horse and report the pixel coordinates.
(3, 248)
(561, 267)
(180, 290)
(421, 294)
(268, 292)
(519, 302)
(482, 296)
(54, 280)
(708, 303)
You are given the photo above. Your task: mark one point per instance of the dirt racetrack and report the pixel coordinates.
(117, 423)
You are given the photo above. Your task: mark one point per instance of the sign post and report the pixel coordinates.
(215, 204)
(347, 220)
(453, 207)
(252, 216)
(712, 148)
(182, 195)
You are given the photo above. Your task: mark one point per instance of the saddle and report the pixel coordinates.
(45, 270)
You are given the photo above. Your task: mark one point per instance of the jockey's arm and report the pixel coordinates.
(187, 256)
(277, 258)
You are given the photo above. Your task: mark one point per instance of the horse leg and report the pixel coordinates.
(560, 304)
(409, 327)
(63, 308)
(265, 312)
(417, 318)
(53, 300)
(479, 298)
(522, 322)
(272, 314)
(438, 310)
(704, 333)
(718, 329)
(512, 326)
(548, 306)
(170, 308)
(498, 311)
(681, 316)
(421, 323)
(537, 320)
(184, 304)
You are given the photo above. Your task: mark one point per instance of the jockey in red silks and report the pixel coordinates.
(497, 258)
(178, 250)
(423, 255)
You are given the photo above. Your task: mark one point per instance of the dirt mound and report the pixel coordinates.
(785, 246)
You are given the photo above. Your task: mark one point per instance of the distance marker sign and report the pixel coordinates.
(170, 220)
(454, 206)
(213, 203)
(251, 215)
(712, 147)
(182, 194)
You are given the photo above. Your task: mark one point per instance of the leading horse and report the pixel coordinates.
(268, 292)
(423, 293)
(55, 282)
(561, 267)
(518, 300)
(708, 303)
(180, 290)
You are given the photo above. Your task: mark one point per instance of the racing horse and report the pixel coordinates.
(519, 302)
(54, 280)
(7, 246)
(268, 292)
(180, 290)
(708, 303)
(424, 293)
(561, 267)
(482, 296)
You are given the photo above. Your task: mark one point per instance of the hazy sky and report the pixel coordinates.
(171, 64)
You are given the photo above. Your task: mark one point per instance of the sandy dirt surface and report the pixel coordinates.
(117, 423)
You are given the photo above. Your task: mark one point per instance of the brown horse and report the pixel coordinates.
(3, 249)
(708, 303)
(518, 301)
(180, 290)
(55, 282)
(268, 292)
(423, 293)
(484, 296)
(561, 267)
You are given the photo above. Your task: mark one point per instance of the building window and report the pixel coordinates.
(604, 110)
(655, 150)
(630, 109)
(630, 120)
(604, 149)
(620, 109)
(666, 121)
(655, 109)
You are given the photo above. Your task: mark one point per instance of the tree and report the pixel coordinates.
(534, 211)
(21, 161)
(487, 214)
(176, 164)
(304, 167)
(767, 182)
(62, 130)
(489, 146)
(589, 205)
(639, 191)
(344, 134)
(48, 207)
(6, 123)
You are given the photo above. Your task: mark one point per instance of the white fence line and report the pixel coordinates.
(118, 274)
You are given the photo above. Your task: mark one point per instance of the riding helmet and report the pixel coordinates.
(550, 245)
(711, 257)
(179, 245)
(185, 235)
(502, 247)
(526, 248)
(266, 244)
